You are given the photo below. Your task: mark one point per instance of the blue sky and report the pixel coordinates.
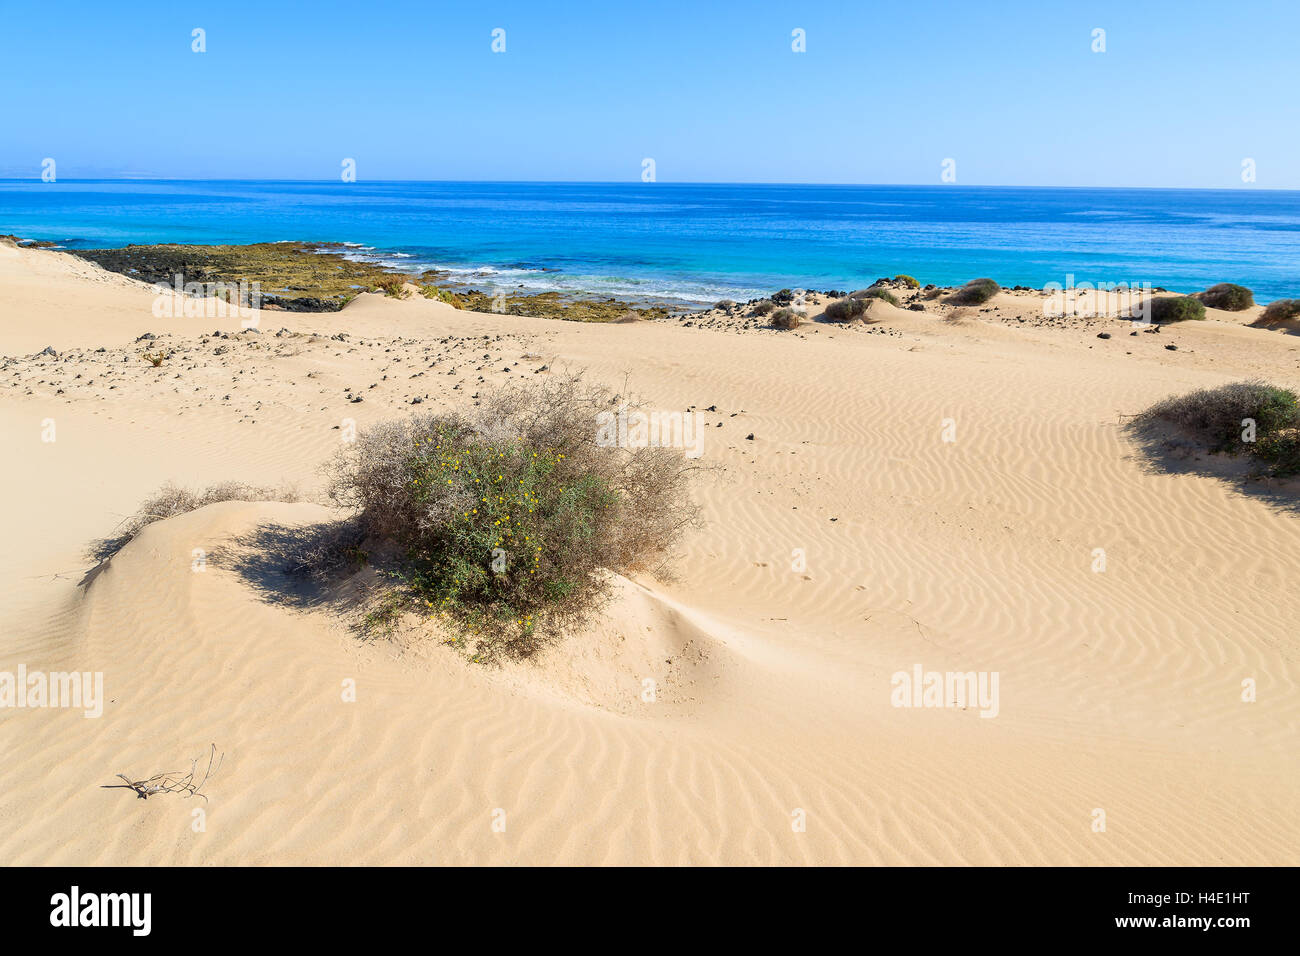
(1012, 91)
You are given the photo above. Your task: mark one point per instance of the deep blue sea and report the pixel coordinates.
(702, 242)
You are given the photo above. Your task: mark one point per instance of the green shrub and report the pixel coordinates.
(764, 307)
(786, 319)
(1177, 309)
(1217, 418)
(1227, 296)
(975, 292)
(1280, 310)
(442, 295)
(393, 286)
(845, 310)
(875, 292)
(908, 281)
(507, 519)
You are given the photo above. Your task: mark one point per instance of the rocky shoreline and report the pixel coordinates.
(323, 277)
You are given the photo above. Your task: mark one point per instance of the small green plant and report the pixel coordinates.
(845, 310)
(876, 292)
(1244, 418)
(508, 520)
(393, 286)
(442, 295)
(786, 319)
(908, 281)
(975, 292)
(764, 307)
(1228, 297)
(156, 358)
(1181, 308)
(385, 613)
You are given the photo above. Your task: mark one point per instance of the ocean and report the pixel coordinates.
(697, 243)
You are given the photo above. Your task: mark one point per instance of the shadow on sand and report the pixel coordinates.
(1166, 451)
(297, 566)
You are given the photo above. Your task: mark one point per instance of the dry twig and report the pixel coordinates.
(171, 782)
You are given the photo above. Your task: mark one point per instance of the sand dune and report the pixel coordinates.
(1120, 690)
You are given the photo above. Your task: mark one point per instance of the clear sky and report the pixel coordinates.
(713, 92)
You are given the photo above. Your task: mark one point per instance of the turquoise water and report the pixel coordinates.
(702, 242)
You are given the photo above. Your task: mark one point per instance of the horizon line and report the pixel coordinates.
(632, 182)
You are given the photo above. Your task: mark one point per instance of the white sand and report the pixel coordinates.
(1119, 691)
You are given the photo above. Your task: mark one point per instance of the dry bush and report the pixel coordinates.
(786, 319)
(1278, 311)
(845, 310)
(508, 517)
(171, 500)
(975, 292)
(763, 308)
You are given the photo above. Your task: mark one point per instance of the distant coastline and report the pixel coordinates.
(681, 245)
(308, 277)
(324, 277)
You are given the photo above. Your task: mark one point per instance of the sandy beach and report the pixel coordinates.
(926, 490)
